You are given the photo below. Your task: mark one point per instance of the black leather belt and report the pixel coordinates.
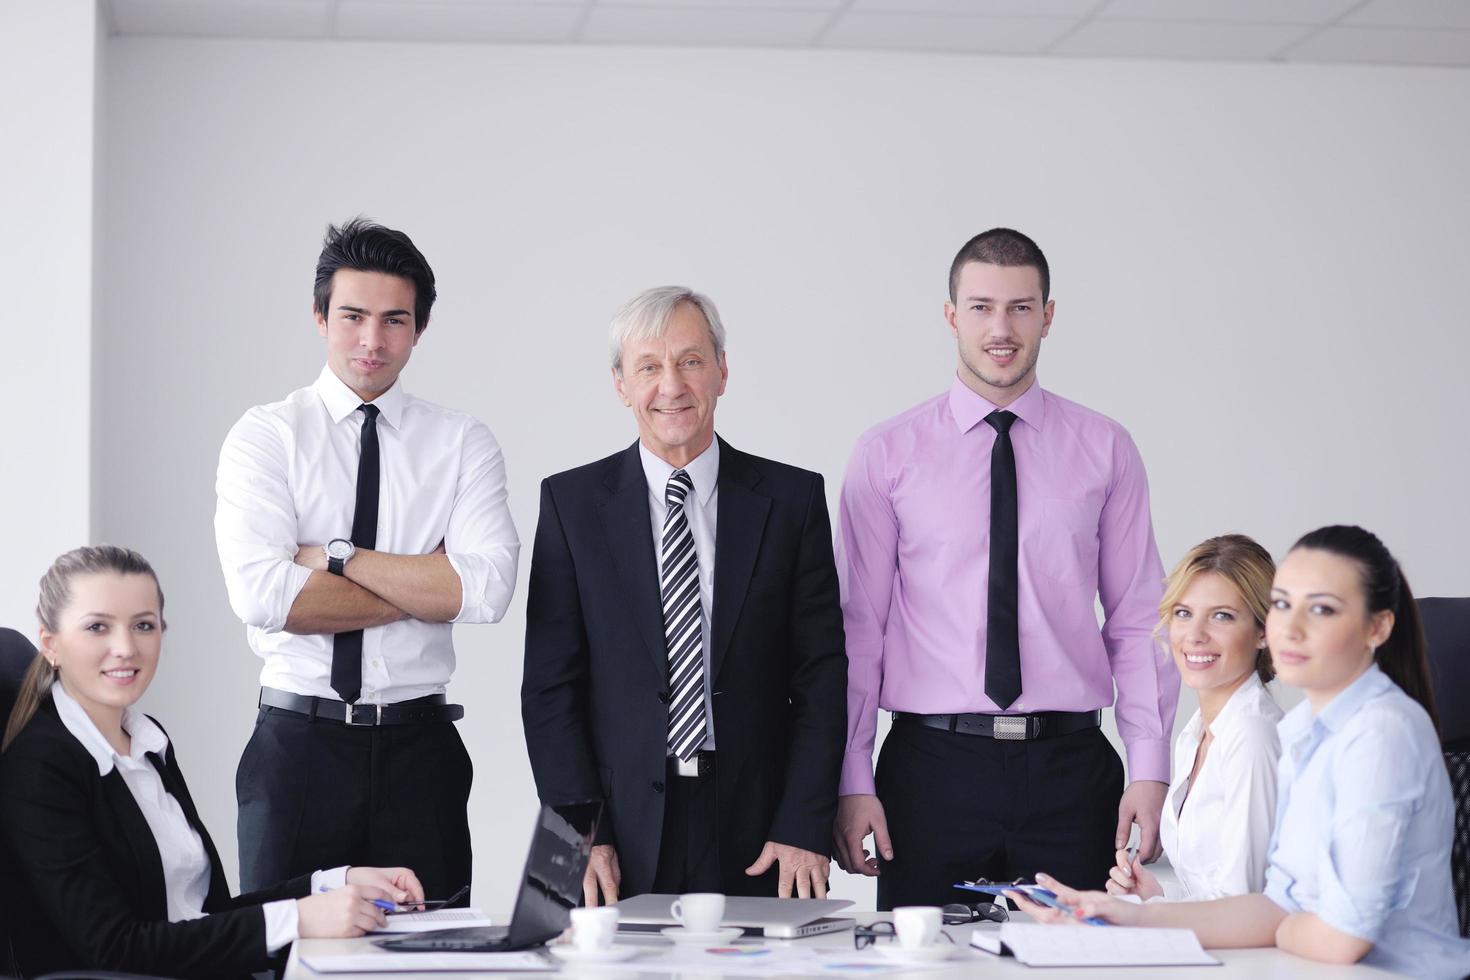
(418, 711)
(1042, 724)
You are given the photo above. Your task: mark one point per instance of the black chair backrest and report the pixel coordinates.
(16, 654)
(1447, 634)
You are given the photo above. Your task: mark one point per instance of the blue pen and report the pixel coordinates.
(381, 903)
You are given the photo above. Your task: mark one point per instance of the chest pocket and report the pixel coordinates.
(1067, 536)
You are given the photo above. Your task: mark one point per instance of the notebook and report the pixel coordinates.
(1066, 945)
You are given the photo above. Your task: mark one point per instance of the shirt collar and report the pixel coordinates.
(1238, 707)
(1300, 721)
(703, 470)
(143, 734)
(341, 401)
(969, 409)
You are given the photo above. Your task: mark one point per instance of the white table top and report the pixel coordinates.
(1257, 964)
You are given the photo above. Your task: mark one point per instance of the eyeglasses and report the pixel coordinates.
(865, 936)
(958, 913)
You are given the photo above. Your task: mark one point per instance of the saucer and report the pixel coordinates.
(917, 954)
(608, 954)
(683, 936)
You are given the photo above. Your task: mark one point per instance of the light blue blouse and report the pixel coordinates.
(1364, 820)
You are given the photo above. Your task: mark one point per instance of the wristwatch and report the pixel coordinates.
(338, 551)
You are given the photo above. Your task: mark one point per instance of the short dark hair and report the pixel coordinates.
(367, 246)
(1000, 246)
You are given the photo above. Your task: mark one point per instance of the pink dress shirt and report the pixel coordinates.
(913, 559)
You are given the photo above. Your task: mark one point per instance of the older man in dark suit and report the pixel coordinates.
(684, 646)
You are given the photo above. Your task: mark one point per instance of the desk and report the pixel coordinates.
(1239, 964)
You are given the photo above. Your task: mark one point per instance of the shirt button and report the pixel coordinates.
(658, 786)
(377, 662)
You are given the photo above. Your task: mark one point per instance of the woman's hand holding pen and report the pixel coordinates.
(345, 912)
(1130, 877)
(402, 884)
(1079, 905)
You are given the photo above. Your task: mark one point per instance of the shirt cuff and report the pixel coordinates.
(1148, 758)
(327, 880)
(282, 925)
(857, 774)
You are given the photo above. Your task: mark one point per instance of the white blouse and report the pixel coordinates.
(180, 849)
(1216, 832)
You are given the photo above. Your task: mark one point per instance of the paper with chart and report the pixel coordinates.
(1068, 945)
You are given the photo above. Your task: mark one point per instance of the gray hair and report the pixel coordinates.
(646, 317)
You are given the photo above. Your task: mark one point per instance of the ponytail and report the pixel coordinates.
(1404, 655)
(33, 687)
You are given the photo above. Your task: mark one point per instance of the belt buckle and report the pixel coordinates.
(376, 719)
(1011, 728)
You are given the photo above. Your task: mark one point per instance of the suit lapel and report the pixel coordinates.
(173, 782)
(740, 524)
(630, 540)
(135, 829)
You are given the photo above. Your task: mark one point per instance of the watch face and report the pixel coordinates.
(338, 548)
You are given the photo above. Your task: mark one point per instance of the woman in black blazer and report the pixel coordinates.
(91, 798)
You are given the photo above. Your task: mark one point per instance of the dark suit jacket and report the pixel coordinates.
(595, 688)
(92, 880)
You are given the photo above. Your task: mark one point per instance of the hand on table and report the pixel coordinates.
(805, 872)
(1130, 877)
(603, 875)
(1080, 905)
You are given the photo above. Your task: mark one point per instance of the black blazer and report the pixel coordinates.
(92, 880)
(593, 699)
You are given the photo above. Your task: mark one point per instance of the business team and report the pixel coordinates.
(698, 658)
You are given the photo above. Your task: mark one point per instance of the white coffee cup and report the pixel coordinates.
(594, 928)
(698, 911)
(917, 925)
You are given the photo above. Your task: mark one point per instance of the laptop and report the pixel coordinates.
(772, 918)
(551, 887)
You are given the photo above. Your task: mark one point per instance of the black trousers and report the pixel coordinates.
(689, 850)
(961, 807)
(319, 794)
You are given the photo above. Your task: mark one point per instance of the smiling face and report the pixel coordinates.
(107, 640)
(672, 384)
(1321, 633)
(1213, 635)
(999, 320)
(369, 328)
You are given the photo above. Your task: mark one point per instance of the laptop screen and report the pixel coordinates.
(552, 883)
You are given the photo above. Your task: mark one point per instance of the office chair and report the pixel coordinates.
(16, 654)
(1447, 636)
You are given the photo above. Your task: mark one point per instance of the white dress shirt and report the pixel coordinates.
(702, 510)
(1217, 831)
(288, 475)
(180, 849)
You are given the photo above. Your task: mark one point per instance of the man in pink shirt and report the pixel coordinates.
(978, 529)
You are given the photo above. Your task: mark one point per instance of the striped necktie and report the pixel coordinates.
(682, 622)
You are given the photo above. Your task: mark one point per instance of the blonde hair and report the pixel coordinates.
(1239, 560)
(55, 594)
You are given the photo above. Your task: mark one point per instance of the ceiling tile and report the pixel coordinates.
(981, 8)
(417, 20)
(828, 5)
(1252, 11)
(223, 18)
(1386, 46)
(945, 32)
(703, 26)
(1160, 39)
(1411, 13)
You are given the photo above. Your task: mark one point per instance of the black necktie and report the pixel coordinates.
(1002, 627)
(347, 647)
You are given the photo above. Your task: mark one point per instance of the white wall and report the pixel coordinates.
(47, 103)
(1258, 269)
